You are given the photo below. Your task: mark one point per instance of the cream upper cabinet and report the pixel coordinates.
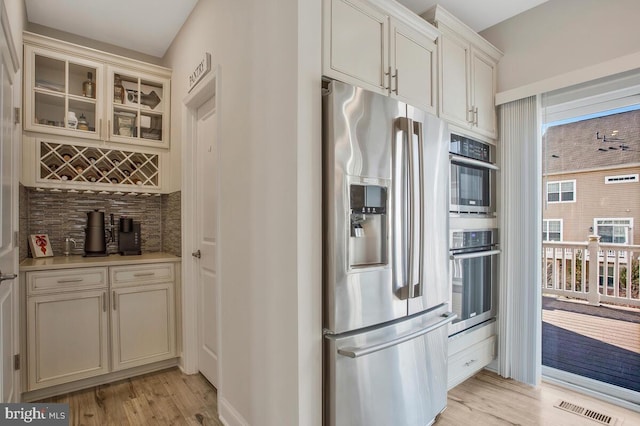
(138, 111)
(415, 58)
(382, 47)
(356, 39)
(483, 85)
(454, 96)
(72, 90)
(467, 75)
(63, 94)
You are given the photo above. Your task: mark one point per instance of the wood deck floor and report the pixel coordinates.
(597, 342)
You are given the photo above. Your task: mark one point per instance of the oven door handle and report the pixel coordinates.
(471, 162)
(473, 255)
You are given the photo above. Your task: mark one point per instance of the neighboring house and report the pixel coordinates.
(591, 180)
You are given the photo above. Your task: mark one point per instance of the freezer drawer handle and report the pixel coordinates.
(366, 350)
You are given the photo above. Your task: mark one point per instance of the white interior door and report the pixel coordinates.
(206, 238)
(8, 226)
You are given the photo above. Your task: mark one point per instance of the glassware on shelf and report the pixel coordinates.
(72, 120)
(83, 124)
(88, 86)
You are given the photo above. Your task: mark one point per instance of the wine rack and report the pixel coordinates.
(98, 167)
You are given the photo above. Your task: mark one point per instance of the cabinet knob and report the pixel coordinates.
(197, 254)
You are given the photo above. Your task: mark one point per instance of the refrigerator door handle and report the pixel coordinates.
(403, 206)
(408, 207)
(417, 211)
(351, 352)
(473, 255)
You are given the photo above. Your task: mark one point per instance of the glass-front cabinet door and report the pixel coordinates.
(63, 94)
(138, 108)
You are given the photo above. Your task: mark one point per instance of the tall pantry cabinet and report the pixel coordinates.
(434, 62)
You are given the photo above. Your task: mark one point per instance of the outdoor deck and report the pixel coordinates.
(599, 342)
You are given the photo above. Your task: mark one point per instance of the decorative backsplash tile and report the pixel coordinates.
(61, 214)
(172, 223)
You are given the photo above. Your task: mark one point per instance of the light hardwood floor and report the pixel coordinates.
(487, 400)
(172, 398)
(167, 397)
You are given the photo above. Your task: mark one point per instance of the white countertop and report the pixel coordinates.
(65, 262)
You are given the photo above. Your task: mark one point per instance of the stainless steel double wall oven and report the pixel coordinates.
(473, 236)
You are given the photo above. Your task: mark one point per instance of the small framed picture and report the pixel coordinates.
(40, 245)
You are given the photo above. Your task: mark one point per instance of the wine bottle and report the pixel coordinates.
(88, 86)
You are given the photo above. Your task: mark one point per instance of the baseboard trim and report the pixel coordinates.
(228, 414)
(96, 381)
(624, 398)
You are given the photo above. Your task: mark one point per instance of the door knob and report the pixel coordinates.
(5, 277)
(197, 254)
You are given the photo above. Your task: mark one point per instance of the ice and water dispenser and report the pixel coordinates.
(368, 234)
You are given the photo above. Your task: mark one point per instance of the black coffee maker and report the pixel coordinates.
(129, 237)
(95, 242)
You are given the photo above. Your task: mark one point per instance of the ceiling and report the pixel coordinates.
(477, 14)
(146, 26)
(149, 26)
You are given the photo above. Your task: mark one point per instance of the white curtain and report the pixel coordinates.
(520, 219)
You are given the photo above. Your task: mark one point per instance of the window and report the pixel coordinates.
(614, 230)
(552, 230)
(621, 179)
(609, 275)
(563, 191)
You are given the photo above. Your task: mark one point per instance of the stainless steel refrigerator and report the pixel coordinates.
(386, 260)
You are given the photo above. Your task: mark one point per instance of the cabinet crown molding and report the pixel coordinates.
(439, 17)
(407, 17)
(66, 47)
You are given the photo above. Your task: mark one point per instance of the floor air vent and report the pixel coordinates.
(601, 418)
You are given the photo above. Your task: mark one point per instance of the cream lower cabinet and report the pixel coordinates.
(470, 351)
(81, 324)
(67, 326)
(143, 325)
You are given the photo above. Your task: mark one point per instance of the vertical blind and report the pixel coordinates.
(519, 203)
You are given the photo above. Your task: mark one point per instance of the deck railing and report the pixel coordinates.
(567, 271)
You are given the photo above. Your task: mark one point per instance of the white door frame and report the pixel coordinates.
(207, 88)
(13, 65)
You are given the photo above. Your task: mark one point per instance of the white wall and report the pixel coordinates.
(564, 42)
(270, 230)
(17, 14)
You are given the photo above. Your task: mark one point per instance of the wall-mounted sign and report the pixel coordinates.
(203, 67)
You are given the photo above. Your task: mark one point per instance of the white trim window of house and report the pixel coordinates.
(621, 179)
(614, 230)
(552, 230)
(562, 191)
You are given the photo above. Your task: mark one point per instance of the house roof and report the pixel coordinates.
(603, 142)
